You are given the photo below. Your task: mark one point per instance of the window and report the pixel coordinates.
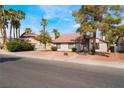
(58, 46)
(70, 46)
(97, 45)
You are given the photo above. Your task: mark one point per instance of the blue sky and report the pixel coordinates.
(59, 17)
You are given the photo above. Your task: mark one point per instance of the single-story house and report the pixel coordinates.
(120, 44)
(31, 38)
(69, 41)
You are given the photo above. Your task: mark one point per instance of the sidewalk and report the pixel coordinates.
(69, 59)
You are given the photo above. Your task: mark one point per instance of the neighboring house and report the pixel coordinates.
(30, 37)
(120, 44)
(69, 41)
(101, 45)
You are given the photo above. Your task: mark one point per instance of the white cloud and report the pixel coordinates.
(63, 13)
(76, 25)
(55, 11)
(67, 19)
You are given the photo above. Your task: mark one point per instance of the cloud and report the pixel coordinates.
(67, 19)
(61, 13)
(55, 11)
(76, 25)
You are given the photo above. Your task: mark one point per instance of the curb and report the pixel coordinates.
(85, 62)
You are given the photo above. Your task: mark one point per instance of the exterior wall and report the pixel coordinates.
(102, 46)
(79, 47)
(64, 47)
(1, 40)
(37, 44)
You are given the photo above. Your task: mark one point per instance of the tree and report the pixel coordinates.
(1, 18)
(121, 30)
(44, 23)
(16, 26)
(112, 20)
(21, 16)
(28, 30)
(95, 17)
(12, 16)
(56, 33)
(3, 23)
(44, 38)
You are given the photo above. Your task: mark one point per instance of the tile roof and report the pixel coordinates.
(28, 35)
(68, 38)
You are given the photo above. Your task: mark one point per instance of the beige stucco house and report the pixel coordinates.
(31, 38)
(69, 41)
(66, 42)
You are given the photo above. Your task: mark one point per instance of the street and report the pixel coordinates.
(30, 73)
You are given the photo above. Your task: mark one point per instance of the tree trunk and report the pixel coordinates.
(4, 37)
(16, 33)
(19, 30)
(94, 43)
(19, 33)
(44, 28)
(1, 32)
(10, 35)
(45, 46)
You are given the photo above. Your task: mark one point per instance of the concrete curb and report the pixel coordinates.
(86, 62)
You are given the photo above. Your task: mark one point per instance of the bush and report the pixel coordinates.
(74, 49)
(65, 53)
(19, 45)
(54, 48)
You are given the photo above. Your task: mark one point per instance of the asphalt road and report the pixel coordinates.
(28, 72)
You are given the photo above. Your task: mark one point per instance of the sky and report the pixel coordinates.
(59, 17)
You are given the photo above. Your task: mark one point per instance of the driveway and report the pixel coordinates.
(28, 72)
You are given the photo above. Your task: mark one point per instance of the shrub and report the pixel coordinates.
(19, 45)
(54, 48)
(65, 53)
(74, 49)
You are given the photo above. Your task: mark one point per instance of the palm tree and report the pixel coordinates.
(21, 15)
(44, 23)
(56, 33)
(28, 30)
(1, 18)
(12, 15)
(4, 24)
(16, 26)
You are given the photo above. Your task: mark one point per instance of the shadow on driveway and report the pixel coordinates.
(8, 59)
